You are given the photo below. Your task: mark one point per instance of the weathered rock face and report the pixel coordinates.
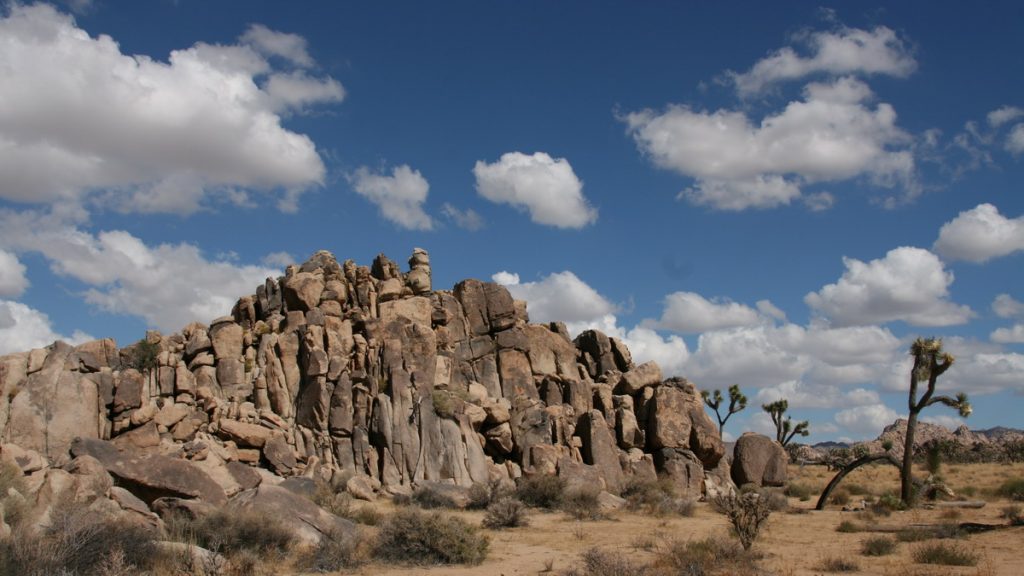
(759, 460)
(365, 370)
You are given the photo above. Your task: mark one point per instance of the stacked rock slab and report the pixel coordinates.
(340, 368)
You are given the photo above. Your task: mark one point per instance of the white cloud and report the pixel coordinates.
(1005, 306)
(751, 357)
(830, 135)
(149, 135)
(291, 47)
(985, 373)
(12, 276)
(297, 91)
(1004, 114)
(168, 285)
(867, 421)
(844, 51)
(689, 312)
(802, 395)
(505, 278)
(761, 423)
(278, 259)
(944, 420)
(399, 197)
(771, 310)
(560, 296)
(546, 187)
(980, 234)
(24, 328)
(1015, 140)
(1014, 335)
(908, 284)
(467, 219)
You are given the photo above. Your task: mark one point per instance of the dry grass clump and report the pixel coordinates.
(802, 492)
(878, 546)
(505, 513)
(848, 527)
(79, 541)
(657, 498)
(746, 512)
(337, 551)
(543, 491)
(1012, 489)
(416, 537)
(711, 555)
(597, 562)
(429, 496)
(837, 564)
(234, 531)
(944, 554)
(582, 504)
(914, 535)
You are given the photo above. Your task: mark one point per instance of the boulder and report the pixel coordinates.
(759, 460)
(307, 521)
(646, 374)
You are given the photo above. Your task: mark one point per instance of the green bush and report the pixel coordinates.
(1012, 489)
(945, 554)
(505, 513)
(542, 491)
(878, 546)
(418, 537)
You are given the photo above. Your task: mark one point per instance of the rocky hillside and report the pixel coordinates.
(335, 368)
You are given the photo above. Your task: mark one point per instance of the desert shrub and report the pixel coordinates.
(840, 497)
(945, 554)
(597, 562)
(699, 557)
(418, 537)
(1012, 489)
(505, 513)
(775, 499)
(78, 541)
(838, 565)
(802, 492)
(848, 527)
(367, 515)
(482, 495)
(949, 530)
(878, 546)
(747, 513)
(144, 355)
(890, 501)
(14, 505)
(542, 491)
(232, 531)
(657, 498)
(856, 489)
(402, 499)
(429, 496)
(914, 535)
(1013, 515)
(338, 550)
(582, 504)
(332, 498)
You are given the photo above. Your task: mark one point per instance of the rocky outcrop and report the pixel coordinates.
(364, 371)
(759, 460)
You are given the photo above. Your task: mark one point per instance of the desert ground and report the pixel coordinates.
(795, 543)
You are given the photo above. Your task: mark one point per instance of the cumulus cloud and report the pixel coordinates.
(168, 285)
(689, 312)
(909, 284)
(291, 47)
(839, 52)
(867, 421)
(803, 395)
(1005, 306)
(830, 135)
(152, 136)
(12, 276)
(560, 296)
(546, 187)
(1012, 335)
(467, 219)
(986, 373)
(24, 328)
(399, 197)
(979, 235)
(1004, 114)
(944, 420)
(1015, 140)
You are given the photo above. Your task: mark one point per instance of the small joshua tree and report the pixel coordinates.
(784, 428)
(737, 402)
(930, 362)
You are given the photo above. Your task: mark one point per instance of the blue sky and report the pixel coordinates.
(780, 196)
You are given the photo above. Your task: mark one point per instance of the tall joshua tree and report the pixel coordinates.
(737, 402)
(784, 428)
(930, 362)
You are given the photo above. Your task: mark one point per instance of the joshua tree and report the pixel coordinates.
(929, 363)
(784, 428)
(737, 402)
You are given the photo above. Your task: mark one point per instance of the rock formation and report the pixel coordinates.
(337, 368)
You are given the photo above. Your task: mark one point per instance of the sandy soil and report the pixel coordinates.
(794, 543)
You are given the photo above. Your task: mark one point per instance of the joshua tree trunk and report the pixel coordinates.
(906, 482)
(823, 499)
